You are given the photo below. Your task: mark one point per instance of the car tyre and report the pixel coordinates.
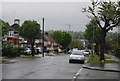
(70, 61)
(83, 62)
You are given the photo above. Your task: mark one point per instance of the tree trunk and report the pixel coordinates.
(102, 44)
(32, 47)
(97, 49)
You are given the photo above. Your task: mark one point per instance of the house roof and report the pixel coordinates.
(49, 38)
(14, 27)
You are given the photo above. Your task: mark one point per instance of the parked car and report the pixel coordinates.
(85, 52)
(70, 51)
(38, 50)
(27, 51)
(77, 56)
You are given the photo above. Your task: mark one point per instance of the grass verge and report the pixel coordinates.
(49, 55)
(58, 54)
(30, 57)
(95, 59)
(4, 61)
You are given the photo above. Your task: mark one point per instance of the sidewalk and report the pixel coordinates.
(100, 71)
(114, 67)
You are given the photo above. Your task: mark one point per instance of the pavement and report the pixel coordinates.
(113, 67)
(97, 71)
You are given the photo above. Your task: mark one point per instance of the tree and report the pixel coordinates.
(62, 38)
(4, 26)
(30, 30)
(92, 33)
(107, 16)
(76, 44)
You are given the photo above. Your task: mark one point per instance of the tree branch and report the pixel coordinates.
(97, 20)
(113, 26)
(106, 22)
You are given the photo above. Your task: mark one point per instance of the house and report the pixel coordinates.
(13, 35)
(48, 40)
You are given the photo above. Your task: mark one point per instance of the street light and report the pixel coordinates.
(43, 39)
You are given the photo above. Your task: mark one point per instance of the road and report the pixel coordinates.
(51, 67)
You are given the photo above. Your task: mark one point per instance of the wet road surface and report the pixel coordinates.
(96, 74)
(51, 67)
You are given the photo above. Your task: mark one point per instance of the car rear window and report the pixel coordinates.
(77, 53)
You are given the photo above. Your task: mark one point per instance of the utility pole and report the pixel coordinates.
(43, 38)
(69, 28)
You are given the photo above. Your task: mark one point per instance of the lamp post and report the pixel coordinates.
(43, 39)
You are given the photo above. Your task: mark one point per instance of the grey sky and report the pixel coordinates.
(57, 14)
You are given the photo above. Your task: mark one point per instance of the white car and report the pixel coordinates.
(27, 51)
(77, 56)
(85, 52)
(38, 50)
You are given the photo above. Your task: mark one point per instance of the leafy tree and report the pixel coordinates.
(30, 30)
(76, 44)
(92, 33)
(4, 27)
(107, 16)
(62, 38)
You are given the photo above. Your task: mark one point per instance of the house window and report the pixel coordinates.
(11, 33)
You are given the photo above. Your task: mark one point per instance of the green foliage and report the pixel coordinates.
(30, 30)
(117, 53)
(107, 16)
(4, 61)
(30, 57)
(76, 44)
(4, 27)
(95, 59)
(92, 32)
(49, 55)
(112, 42)
(10, 50)
(62, 38)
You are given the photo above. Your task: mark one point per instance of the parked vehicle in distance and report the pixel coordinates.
(70, 51)
(27, 51)
(38, 50)
(85, 52)
(77, 56)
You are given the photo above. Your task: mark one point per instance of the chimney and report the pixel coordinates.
(17, 21)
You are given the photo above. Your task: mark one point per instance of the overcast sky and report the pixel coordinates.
(58, 15)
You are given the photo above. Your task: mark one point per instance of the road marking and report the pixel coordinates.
(77, 73)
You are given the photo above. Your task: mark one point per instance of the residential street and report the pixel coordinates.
(50, 67)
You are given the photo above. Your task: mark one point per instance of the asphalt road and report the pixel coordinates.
(52, 67)
(96, 74)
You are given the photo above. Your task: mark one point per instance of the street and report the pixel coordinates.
(50, 67)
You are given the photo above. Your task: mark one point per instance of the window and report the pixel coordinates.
(11, 33)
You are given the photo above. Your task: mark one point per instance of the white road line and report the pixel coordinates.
(77, 73)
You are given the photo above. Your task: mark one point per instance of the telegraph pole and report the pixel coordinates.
(69, 28)
(43, 38)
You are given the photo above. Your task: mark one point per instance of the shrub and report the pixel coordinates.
(10, 50)
(117, 53)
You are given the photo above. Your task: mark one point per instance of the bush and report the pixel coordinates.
(10, 50)
(117, 53)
